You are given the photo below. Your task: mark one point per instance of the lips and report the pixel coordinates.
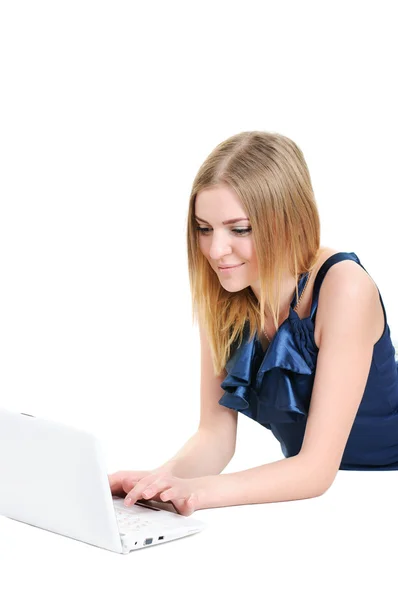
(230, 267)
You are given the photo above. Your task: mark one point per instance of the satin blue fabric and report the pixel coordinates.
(274, 388)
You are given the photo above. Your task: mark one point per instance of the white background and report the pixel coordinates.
(107, 110)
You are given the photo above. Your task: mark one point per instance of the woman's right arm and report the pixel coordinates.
(211, 448)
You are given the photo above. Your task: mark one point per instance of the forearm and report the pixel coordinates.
(202, 455)
(287, 479)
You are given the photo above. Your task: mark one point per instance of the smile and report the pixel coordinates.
(230, 268)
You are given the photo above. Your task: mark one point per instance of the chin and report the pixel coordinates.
(233, 288)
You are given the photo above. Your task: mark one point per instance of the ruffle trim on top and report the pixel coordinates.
(274, 387)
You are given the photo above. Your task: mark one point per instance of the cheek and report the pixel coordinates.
(202, 245)
(248, 251)
(253, 251)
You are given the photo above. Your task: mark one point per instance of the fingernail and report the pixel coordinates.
(127, 501)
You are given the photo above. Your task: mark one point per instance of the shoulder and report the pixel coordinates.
(347, 294)
(347, 278)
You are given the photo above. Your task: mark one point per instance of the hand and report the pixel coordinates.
(161, 485)
(122, 482)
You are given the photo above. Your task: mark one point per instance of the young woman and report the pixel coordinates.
(293, 335)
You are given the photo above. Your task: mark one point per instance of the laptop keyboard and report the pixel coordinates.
(128, 521)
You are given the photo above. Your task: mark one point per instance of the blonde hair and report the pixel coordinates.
(268, 173)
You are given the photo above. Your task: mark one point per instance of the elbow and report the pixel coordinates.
(325, 487)
(319, 476)
(327, 480)
(329, 483)
(321, 491)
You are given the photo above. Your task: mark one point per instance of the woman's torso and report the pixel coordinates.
(274, 386)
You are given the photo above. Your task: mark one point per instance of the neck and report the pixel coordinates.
(287, 292)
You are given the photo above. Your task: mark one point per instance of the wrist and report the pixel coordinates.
(205, 491)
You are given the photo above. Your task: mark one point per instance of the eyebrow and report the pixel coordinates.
(225, 222)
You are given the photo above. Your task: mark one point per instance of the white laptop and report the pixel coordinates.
(54, 477)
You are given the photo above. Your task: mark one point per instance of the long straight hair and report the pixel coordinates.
(268, 173)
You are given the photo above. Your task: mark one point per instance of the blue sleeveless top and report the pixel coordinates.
(274, 388)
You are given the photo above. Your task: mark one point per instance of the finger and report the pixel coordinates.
(155, 488)
(129, 482)
(189, 505)
(116, 479)
(183, 507)
(168, 495)
(139, 488)
(145, 489)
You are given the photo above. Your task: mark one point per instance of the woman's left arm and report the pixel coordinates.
(347, 307)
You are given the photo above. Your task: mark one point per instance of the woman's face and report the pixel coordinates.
(226, 243)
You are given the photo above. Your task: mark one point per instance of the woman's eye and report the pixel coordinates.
(205, 230)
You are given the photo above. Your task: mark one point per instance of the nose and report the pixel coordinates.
(220, 246)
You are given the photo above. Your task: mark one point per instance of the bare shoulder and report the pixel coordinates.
(347, 284)
(344, 276)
